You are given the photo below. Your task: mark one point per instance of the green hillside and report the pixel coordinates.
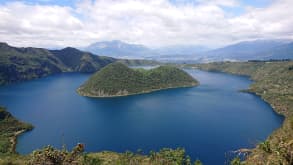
(79, 61)
(20, 64)
(118, 80)
(10, 128)
(17, 64)
(273, 82)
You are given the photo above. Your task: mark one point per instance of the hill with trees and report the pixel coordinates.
(117, 79)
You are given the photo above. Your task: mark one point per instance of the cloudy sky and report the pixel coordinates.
(212, 23)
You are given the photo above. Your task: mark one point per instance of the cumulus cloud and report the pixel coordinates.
(150, 22)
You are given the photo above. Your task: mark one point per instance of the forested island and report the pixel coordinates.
(117, 79)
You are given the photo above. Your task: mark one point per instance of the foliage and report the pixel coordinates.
(197, 162)
(117, 79)
(236, 161)
(265, 146)
(164, 156)
(86, 160)
(50, 155)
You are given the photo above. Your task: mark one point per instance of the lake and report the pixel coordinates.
(209, 120)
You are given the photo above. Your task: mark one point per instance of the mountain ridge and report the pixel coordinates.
(26, 63)
(251, 50)
(262, 49)
(19, 64)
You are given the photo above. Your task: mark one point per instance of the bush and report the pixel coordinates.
(50, 155)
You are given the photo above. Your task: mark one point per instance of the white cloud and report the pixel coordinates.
(150, 22)
(275, 21)
(22, 24)
(227, 3)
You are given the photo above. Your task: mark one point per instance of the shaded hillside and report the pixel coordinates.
(118, 80)
(79, 61)
(17, 64)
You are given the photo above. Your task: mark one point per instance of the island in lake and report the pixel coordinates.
(117, 79)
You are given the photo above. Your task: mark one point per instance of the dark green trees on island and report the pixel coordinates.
(117, 79)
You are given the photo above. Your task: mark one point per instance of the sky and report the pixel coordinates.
(154, 23)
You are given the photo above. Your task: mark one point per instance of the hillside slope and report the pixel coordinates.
(79, 61)
(118, 80)
(19, 64)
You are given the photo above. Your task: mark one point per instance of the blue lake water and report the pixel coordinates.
(209, 120)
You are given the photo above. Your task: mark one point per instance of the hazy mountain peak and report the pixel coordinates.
(117, 48)
(252, 50)
(4, 44)
(70, 49)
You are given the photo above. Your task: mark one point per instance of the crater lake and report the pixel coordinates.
(209, 121)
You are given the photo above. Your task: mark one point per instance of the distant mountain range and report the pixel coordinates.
(251, 50)
(242, 51)
(119, 49)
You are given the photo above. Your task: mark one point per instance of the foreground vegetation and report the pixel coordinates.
(273, 82)
(117, 79)
(51, 156)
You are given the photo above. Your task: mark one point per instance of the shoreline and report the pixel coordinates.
(13, 139)
(131, 94)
